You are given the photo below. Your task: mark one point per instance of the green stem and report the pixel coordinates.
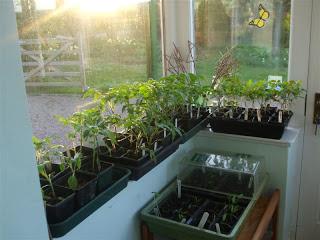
(52, 189)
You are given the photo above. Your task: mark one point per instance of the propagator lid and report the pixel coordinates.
(223, 172)
(227, 161)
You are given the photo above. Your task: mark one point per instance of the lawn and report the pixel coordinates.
(107, 70)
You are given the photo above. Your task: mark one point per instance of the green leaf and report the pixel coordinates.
(73, 182)
(42, 170)
(62, 167)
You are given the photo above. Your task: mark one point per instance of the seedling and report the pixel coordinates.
(43, 172)
(232, 207)
(74, 164)
(156, 209)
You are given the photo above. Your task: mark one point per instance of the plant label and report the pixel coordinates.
(203, 220)
(176, 122)
(187, 108)
(143, 149)
(198, 112)
(280, 117)
(179, 188)
(155, 147)
(231, 113)
(191, 112)
(246, 114)
(250, 182)
(259, 115)
(165, 132)
(218, 228)
(156, 211)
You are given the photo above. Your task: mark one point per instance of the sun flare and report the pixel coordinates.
(102, 6)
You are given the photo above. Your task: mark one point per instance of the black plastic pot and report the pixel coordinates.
(55, 172)
(190, 126)
(61, 209)
(128, 159)
(104, 175)
(85, 151)
(139, 171)
(241, 127)
(200, 126)
(120, 177)
(86, 190)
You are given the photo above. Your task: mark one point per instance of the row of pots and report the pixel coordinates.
(90, 184)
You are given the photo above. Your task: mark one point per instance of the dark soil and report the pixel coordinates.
(190, 208)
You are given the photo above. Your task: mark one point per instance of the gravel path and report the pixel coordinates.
(42, 110)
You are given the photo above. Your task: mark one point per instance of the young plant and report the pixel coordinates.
(289, 91)
(43, 172)
(232, 207)
(95, 125)
(46, 151)
(228, 92)
(74, 164)
(76, 122)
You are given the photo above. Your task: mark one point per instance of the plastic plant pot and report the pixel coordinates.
(59, 209)
(104, 175)
(86, 190)
(120, 177)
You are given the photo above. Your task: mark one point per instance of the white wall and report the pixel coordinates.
(22, 213)
(119, 218)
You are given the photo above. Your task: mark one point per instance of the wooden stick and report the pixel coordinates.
(267, 216)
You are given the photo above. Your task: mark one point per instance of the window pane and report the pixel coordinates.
(71, 45)
(261, 48)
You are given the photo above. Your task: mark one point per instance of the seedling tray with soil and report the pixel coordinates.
(140, 165)
(268, 127)
(104, 175)
(180, 218)
(140, 171)
(61, 206)
(120, 177)
(191, 124)
(86, 189)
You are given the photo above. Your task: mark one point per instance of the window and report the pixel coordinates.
(71, 45)
(261, 49)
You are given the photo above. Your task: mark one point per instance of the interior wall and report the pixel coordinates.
(22, 213)
(301, 14)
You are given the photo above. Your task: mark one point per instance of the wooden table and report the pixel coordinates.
(263, 214)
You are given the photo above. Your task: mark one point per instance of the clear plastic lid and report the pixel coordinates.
(223, 172)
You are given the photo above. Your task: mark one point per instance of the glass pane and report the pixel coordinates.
(68, 46)
(261, 47)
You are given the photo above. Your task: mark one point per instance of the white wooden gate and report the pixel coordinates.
(53, 62)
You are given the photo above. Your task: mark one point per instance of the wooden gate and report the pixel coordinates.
(53, 62)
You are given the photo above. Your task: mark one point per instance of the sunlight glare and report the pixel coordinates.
(103, 5)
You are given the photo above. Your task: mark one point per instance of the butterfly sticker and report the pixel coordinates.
(260, 22)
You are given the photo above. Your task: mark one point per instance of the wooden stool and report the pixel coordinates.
(255, 227)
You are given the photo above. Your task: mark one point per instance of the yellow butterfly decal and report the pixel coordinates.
(260, 22)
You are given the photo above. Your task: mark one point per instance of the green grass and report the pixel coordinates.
(208, 59)
(103, 76)
(108, 70)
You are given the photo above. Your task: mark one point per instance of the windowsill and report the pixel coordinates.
(288, 138)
